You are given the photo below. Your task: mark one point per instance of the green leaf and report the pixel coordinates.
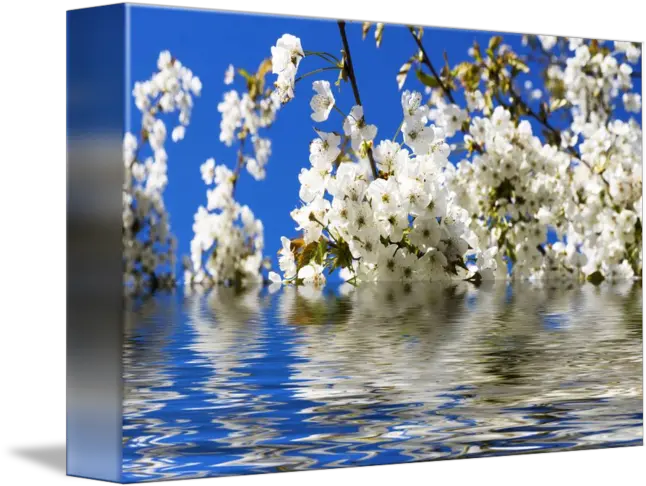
(595, 278)
(494, 42)
(488, 103)
(522, 66)
(263, 70)
(476, 51)
(593, 47)
(518, 64)
(556, 104)
(341, 256)
(427, 80)
(307, 254)
(379, 33)
(321, 251)
(403, 72)
(343, 73)
(365, 28)
(245, 74)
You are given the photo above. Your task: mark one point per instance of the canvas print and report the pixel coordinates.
(354, 243)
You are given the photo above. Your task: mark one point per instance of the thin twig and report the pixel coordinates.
(399, 128)
(427, 60)
(323, 55)
(240, 164)
(316, 71)
(353, 80)
(340, 111)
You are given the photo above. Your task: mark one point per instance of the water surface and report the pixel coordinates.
(230, 382)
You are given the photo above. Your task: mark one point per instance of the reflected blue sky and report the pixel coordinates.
(241, 383)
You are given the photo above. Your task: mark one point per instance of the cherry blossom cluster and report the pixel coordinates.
(228, 243)
(562, 200)
(377, 211)
(604, 211)
(593, 79)
(148, 245)
(512, 187)
(243, 115)
(286, 56)
(227, 247)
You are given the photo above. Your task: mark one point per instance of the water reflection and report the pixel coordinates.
(246, 382)
(150, 387)
(233, 338)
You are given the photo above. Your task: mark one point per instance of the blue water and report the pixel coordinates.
(226, 382)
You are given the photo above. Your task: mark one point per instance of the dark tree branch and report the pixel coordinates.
(349, 69)
(427, 60)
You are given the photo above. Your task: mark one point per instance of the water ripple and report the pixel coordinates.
(248, 382)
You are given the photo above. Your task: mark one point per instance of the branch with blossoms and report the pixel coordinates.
(374, 212)
(228, 243)
(580, 179)
(148, 245)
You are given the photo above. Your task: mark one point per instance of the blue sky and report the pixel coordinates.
(208, 41)
(90, 31)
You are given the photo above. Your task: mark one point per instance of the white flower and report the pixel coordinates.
(223, 175)
(618, 272)
(256, 171)
(196, 86)
(324, 150)
(229, 75)
(637, 206)
(475, 100)
(412, 106)
(574, 43)
(129, 148)
(231, 117)
(312, 274)
(286, 52)
(322, 102)
(426, 232)
(418, 136)
(164, 60)
(450, 117)
(178, 133)
(388, 263)
(313, 183)
(286, 261)
(390, 156)
(355, 126)
(632, 102)
(274, 277)
(285, 84)
(632, 51)
(548, 41)
(139, 172)
(275, 282)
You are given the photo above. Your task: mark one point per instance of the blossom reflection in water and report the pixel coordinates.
(234, 382)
